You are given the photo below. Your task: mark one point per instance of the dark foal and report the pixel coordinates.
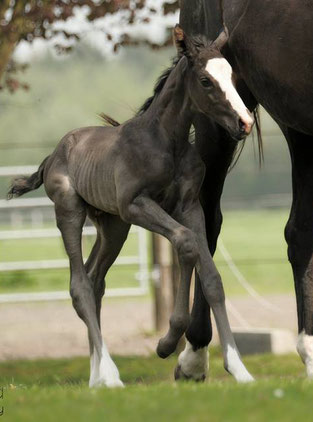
(143, 172)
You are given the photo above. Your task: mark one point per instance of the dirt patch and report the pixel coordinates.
(52, 329)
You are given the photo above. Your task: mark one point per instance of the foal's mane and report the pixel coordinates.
(196, 42)
(158, 86)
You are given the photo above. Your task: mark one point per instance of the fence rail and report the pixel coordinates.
(140, 259)
(17, 170)
(64, 295)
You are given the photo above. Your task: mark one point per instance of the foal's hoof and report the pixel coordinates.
(179, 375)
(112, 383)
(165, 348)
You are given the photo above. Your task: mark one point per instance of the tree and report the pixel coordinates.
(30, 19)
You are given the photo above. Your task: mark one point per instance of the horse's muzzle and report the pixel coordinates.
(244, 129)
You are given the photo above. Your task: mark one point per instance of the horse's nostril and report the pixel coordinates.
(242, 125)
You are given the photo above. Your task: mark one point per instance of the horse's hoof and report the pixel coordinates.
(164, 349)
(179, 375)
(114, 383)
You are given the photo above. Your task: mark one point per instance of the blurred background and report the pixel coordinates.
(66, 92)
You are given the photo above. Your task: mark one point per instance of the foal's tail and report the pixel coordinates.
(108, 120)
(24, 184)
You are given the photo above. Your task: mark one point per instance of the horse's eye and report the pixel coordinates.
(206, 83)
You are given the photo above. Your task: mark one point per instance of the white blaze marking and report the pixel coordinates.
(221, 71)
(236, 367)
(104, 372)
(194, 363)
(305, 350)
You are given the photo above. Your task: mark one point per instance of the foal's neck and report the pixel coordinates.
(171, 109)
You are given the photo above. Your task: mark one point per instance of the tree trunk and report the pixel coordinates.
(6, 51)
(12, 31)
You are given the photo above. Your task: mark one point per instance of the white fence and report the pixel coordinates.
(140, 259)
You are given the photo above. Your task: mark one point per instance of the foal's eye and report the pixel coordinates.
(206, 82)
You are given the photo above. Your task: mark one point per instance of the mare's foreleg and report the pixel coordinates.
(299, 236)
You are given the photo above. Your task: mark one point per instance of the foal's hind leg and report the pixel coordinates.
(70, 215)
(111, 235)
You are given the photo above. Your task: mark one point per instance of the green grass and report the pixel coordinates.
(57, 390)
(253, 238)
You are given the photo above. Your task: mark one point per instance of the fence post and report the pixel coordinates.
(163, 286)
(166, 283)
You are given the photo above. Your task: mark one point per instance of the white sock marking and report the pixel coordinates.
(194, 363)
(103, 372)
(236, 367)
(221, 71)
(305, 350)
(94, 369)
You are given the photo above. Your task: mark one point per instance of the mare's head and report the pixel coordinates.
(210, 83)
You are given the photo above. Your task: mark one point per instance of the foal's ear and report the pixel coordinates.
(183, 63)
(222, 39)
(179, 39)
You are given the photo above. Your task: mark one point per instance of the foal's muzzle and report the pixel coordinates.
(244, 128)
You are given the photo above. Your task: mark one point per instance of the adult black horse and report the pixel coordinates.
(270, 47)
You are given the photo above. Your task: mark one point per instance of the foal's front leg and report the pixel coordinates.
(214, 293)
(148, 214)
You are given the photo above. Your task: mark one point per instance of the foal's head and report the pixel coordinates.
(210, 83)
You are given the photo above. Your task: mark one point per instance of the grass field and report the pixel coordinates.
(253, 238)
(52, 390)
